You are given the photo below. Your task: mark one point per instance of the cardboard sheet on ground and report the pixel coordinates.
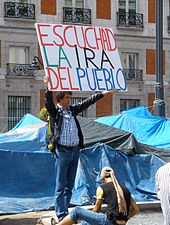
(80, 58)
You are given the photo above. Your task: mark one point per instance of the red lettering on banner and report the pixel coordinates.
(43, 35)
(105, 40)
(91, 37)
(64, 34)
(62, 78)
(102, 37)
(49, 70)
(86, 30)
(56, 34)
(112, 44)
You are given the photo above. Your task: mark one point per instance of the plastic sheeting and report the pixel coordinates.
(29, 136)
(136, 172)
(146, 128)
(28, 179)
(32, 137)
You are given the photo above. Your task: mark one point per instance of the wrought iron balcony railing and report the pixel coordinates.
(19, 10)
(130, 20)
(19, 69)
(133, 74)
(77, 15)
(169, 23)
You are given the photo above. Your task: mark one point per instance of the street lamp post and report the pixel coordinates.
(159, 104)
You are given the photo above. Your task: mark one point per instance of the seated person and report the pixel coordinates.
(120, 205)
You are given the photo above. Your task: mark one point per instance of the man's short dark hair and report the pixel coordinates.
(60, 94)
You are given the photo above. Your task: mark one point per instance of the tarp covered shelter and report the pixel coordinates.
(27, 178)
(147, 129)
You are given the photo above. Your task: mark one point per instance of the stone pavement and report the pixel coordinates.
(144, 218)
(147, 218)
(150, 214)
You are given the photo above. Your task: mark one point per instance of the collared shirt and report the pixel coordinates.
(162, 179)
(69, 131)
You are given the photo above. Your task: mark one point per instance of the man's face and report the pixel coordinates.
(66, 100)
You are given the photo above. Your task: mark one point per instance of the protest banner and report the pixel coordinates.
(80, 58)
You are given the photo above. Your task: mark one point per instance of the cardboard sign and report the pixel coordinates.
(80, 58)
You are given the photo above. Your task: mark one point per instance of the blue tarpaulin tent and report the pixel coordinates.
(147, 129)
(27, 178)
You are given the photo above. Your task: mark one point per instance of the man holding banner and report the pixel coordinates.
(75, 58)
(69, 140)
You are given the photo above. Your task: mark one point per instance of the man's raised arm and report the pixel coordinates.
(91, 100)
(49, 104)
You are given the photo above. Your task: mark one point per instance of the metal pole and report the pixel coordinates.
(159, 104)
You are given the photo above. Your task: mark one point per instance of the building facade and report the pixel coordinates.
(134, 24)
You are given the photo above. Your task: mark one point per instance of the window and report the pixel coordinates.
(23, 1)
(20, 1)
(129, 61)
(129, 104)
(75, 11)
(74, 3)
(127, 16)
(122, 6)
(17, 108)
(127, 6)
(132, 6)
(80, 3)
(18, 55)
(68, 3)
(76, 100)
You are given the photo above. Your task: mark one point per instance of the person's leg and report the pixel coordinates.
(88, 216)
(71, 174)
(62, 164)
(67, 221)
(108, 222)
(165, 205)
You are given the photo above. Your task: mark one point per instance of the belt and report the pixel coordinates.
(69, 148)
(122, 222)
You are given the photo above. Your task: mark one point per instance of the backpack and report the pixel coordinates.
(50, 136)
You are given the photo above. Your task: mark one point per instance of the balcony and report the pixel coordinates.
(16, 10)
(76, 15)
(169, 23)
(19, 70)
(133, 74)
(132, 20)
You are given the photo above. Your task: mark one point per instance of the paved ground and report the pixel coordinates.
(23, 218)
(144, 218)
(147, 218)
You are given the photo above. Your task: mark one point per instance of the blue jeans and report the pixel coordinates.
(66, 168)
(88, 217)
